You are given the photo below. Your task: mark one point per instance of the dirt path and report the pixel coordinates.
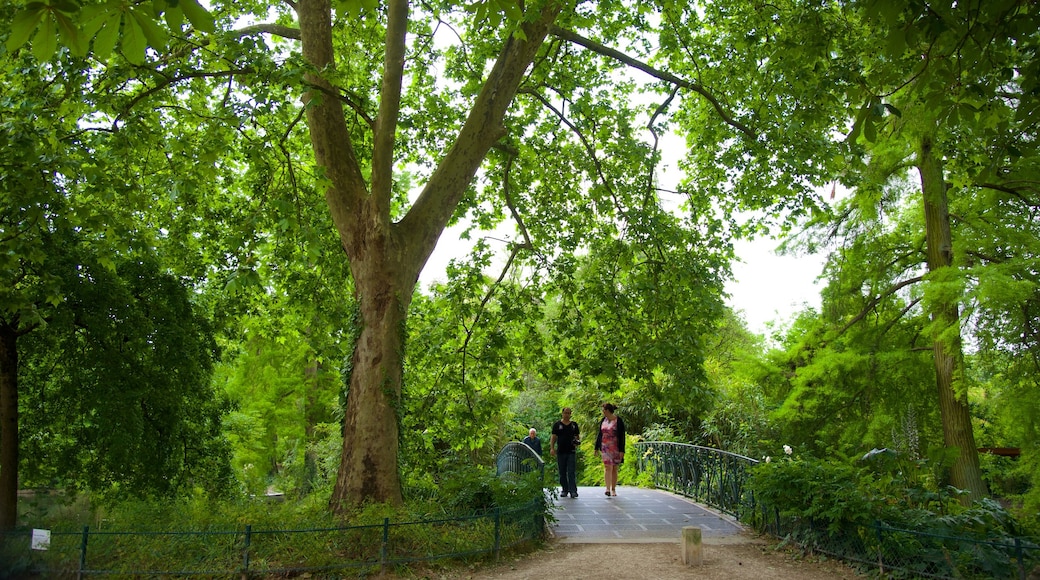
(743, 557)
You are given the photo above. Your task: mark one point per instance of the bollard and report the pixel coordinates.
(692, 552)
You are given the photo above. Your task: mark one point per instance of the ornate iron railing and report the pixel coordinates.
(516, 457)
(706, 475)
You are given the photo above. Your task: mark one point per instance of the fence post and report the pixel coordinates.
(1020, 557)
(384, 549)
(83, 553)
(245, 551)
(498, 531)
(880, 548)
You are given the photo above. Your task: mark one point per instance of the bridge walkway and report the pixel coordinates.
(638, 515)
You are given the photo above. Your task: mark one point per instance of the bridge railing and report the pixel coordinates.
(516, 457)
(710, 476)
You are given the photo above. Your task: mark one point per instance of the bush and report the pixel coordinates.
(886, 505)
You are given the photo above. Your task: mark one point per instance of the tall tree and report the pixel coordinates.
(920, 84)
(76, 188)
(431, 90)
(974, 48)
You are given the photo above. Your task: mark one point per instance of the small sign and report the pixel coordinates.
(41, 539)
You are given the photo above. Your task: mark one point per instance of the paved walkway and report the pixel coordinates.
(637, 515)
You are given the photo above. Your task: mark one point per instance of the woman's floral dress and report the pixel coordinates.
(608, 448)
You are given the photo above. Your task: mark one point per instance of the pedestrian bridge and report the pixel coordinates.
(636, 515)
(651, 515)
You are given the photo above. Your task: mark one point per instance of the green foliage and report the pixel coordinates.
(196, 532)
(816, 498)
(285, 408)
(620, 299)
(117, 387)
(473, 489)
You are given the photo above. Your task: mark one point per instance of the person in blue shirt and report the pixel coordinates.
(533, 441)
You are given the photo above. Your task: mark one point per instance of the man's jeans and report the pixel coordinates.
(568, 465)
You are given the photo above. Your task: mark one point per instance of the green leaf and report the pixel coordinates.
(106, 38)
(156, 36)
(174, 17)
(133, 41)
(23, 25)
(199, 17)
(65, 6)
(70, 34)
(896, 45)
(45, 42)
(349, 8)
(870, 130)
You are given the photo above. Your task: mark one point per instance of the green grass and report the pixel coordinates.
(201, 536)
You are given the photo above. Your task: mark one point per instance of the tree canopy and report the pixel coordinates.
(259, 140)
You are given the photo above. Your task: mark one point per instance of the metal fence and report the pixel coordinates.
(706, 475)
(518, 458)
(269, 552)
(717, 478)
(901, 553)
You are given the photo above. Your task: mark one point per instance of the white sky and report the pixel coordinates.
(772, 288)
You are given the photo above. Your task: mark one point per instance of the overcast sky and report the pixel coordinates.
(768, 287)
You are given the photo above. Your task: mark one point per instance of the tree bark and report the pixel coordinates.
(8, 428)
(965, 473)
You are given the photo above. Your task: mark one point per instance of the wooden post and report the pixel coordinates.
(692, 552)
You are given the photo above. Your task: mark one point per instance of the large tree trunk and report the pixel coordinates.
(8, 428)
(949, 363)
(386, 258)
(368, 466)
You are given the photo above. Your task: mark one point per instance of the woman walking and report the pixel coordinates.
(610, 443)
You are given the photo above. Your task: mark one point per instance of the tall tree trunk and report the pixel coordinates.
(8, 427)
(949, 362)
(368, 465)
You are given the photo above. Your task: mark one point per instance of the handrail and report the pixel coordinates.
(707, 475)
(515, 457)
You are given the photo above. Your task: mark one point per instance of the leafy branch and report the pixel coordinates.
(656, 73)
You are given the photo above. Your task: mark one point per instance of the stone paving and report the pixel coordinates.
(637, 515)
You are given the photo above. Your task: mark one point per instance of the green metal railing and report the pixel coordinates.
(706, 475)
(256, 552)
(519, 458)
(717, 478)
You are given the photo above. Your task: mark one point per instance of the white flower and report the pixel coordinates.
(788, 450)
(768, 459)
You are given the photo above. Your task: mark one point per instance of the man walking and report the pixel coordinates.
(563, 445)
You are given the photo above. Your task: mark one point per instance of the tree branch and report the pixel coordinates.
(268, 28)
(581, 136)
(877, 300)
(656, 73)
(167, 81)
(514, 251)
(650, 125)
(432, 210)
(1015, 191)
(389, 105)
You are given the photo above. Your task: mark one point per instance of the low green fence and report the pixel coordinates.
(717, 478)
(902, 553)
(268, 552)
